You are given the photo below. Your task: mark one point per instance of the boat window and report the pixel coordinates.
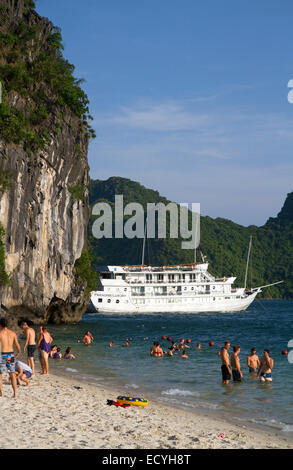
(100, 300)
(117, 301)
(109, 300)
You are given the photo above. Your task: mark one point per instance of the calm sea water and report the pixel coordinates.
(195, 382)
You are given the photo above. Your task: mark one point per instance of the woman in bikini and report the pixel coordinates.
(156, 350)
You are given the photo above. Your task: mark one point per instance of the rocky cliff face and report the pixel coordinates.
(45, 211)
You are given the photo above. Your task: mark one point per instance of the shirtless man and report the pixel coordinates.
(253, 361)
(7, 359)
(156, 350)
(265, 368)
(235, 363)
(181, 345)
(226, 369)
(30, 344)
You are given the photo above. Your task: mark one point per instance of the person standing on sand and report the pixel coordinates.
(235, 363)
(8, 339)
(44, 345)
(226, 369)
(253, 361)
(30, 344)
(265, 368)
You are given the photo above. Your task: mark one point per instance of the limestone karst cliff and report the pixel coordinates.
(44, 134)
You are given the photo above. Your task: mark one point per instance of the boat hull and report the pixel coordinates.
(225, 306)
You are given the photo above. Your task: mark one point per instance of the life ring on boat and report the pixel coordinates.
(133, 401)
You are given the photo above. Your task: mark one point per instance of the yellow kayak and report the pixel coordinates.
(133, 401)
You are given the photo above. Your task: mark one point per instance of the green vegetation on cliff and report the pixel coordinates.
(33, 69)
(85, 273)
(41, 98)
(224, 242)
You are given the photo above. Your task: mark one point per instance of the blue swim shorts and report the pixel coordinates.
(7, 360)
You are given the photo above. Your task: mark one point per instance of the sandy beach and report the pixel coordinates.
(52, 414)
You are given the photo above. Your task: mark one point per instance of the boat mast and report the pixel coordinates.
(247, 262)
(143, 246)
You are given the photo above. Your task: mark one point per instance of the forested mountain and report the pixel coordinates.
(224, 242)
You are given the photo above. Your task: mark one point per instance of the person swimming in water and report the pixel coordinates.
(171, 351)
(184, 354)
(57, 354)
(87, 339)
(53, 350)
(156, 350)
(68, 354)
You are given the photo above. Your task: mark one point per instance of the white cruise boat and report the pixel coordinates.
(188, 288)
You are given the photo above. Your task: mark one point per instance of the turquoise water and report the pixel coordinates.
(194, 382)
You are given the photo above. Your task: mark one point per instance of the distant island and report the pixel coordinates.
(224, 242)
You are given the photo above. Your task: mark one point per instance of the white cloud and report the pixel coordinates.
(159, 118)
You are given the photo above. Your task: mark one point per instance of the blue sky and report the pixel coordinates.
(189, 97)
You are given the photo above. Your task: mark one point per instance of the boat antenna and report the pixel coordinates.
(247, 262)
(143, 246)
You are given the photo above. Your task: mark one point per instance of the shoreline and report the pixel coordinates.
(52, 414)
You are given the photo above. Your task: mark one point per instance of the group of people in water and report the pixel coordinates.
(261, 368)
(19, 370)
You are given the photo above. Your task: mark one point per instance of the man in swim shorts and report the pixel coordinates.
(253, 361)
(225, 368)
(8, 340)
(30, 344)
(235, 363)
(265, 368)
